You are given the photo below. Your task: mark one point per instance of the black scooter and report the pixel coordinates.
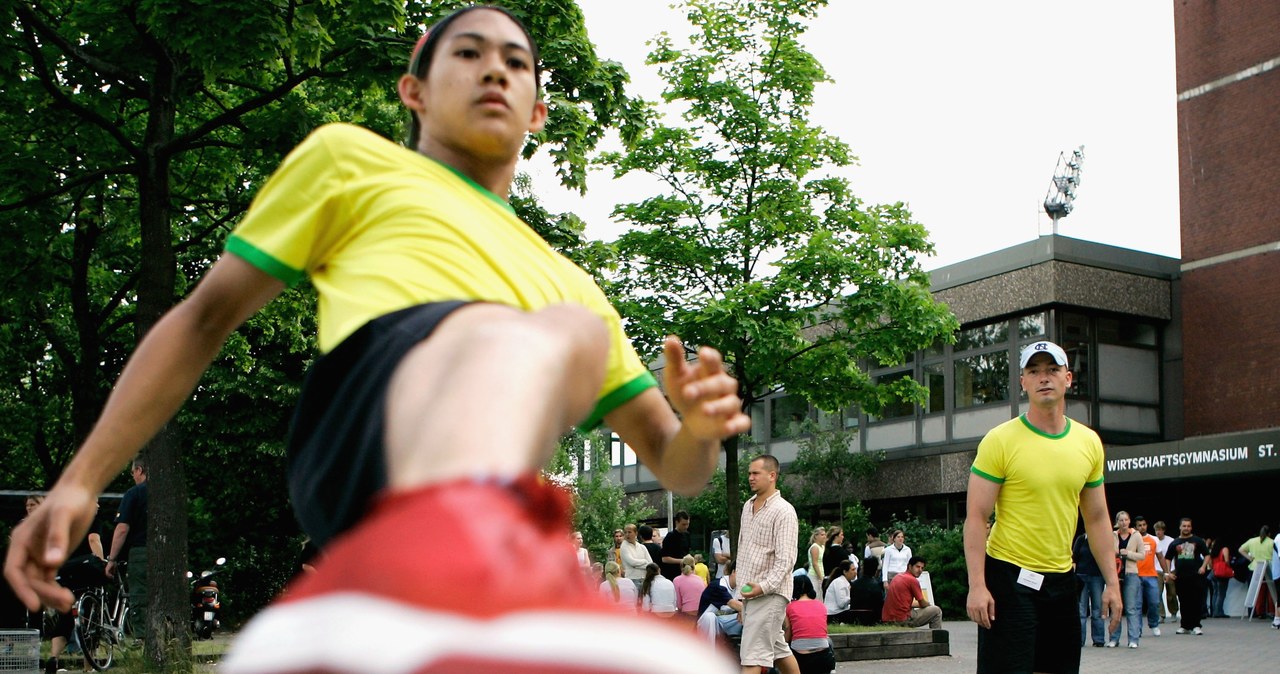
(204, 602)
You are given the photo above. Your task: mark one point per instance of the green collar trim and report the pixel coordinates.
(478, 187)
(1041, 433)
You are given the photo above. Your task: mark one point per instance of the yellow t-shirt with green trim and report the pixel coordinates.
(1040, 478)
(379, 228)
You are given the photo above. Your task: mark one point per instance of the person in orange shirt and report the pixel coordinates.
(1149, 576)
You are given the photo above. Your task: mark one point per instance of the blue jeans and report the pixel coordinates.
(1131, 588)
(1219, 586)
(1091, 608)
(1151, 600)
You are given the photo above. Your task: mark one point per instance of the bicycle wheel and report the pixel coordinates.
(92, 631)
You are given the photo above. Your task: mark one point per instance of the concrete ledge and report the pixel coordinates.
(915, 643)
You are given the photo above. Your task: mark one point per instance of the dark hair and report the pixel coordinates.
(1264, 532)
(680, 516)
(802, 586)
(650, 572)
(141, 464)
(731, 567)
(870, 566)
(1139, 518)
(770, 462)
(839, 569)
(646, 532)
(914, 560)
(425, 50)
(873, 532)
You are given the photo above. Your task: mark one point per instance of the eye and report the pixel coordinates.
(467, 53)
(517, 63)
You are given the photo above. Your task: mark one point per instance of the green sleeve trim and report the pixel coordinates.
(1095, 483)
(264, 261)
(1066, 429)
(615, 398)
(988, 476)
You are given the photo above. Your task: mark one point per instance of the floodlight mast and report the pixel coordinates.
(1058, 202)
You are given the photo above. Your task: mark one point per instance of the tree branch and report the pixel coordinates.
(136, 86)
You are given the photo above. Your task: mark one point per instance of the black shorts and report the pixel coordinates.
(1034, 630)
(336, 461)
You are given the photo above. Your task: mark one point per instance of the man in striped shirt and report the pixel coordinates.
(766, 555)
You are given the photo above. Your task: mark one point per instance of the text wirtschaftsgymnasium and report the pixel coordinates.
(1179, 459)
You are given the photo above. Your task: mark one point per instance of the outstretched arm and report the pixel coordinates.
(158, 378)
(683, 451)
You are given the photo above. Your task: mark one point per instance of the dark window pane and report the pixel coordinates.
(1031, 326)
(983, 335)
(935, 381)
(982, 379)
(897, 408)
(789, 414)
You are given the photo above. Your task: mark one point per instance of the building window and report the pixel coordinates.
(982, 379)
(896, 408)
(1076, 337)
(982, 336)
(789, 415)
(1032, 328)
(935, 381)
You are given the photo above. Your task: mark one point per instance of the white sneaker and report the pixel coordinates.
(1182, 631)
(1155, 631)
(1197, 631)
(1133, 644)
(1112, 644)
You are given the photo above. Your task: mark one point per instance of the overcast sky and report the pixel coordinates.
(960, 109)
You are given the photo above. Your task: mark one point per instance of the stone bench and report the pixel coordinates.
(913, 643)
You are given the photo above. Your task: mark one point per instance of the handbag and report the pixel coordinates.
(1222, 568)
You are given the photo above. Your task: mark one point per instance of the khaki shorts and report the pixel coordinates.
(763, 642)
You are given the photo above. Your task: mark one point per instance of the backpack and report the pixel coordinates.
(1240, 568)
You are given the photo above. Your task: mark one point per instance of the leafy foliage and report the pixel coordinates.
(943, 549)
(827, 466)
(600, 505)
(132, 138)
(756, 246)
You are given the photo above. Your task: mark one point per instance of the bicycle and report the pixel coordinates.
(100, 613)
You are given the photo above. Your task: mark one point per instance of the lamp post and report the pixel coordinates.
(1062, 190)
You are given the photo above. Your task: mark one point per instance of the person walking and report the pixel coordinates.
(1191, 560)
(1091, 586)
(1128, 546)
(1168, 591)
(457, 347)
(766, 554)
(1036, 472)
(1149, 575)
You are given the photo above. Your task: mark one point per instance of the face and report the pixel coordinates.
(682, 525)
(1122, 521)
(1159, 532)
(759, 477)
(617, 536)
(916, 569)
(822, 537)
(479, 97)
(839, 539)
(32, 504)
(1184, 528)
(629, 532)
(1045, 381)
(577, 538)
(899, 538)
(1142, 527)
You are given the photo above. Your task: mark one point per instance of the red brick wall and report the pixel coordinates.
(1229, 138)
(1229, 166)
(1231, 342)
(1216, 38)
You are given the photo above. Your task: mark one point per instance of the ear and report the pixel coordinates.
(538, 119)
(410, 89)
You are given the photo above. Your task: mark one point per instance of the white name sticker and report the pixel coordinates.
(1031, 579)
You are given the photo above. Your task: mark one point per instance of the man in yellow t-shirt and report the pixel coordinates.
(1035, 473)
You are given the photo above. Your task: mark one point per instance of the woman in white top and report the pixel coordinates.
(657, 594)
(817, 546)
(623, 593)
(896, 556)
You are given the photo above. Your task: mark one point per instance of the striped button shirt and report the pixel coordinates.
(767, 545)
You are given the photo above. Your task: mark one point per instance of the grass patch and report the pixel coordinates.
(839, 628)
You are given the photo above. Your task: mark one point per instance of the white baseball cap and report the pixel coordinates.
(1059, 356)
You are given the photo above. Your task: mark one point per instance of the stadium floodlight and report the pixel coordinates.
(1059, 201)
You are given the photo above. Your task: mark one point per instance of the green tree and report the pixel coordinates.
(600, 504)
(828, 467)
(757, 246)
(133, 136)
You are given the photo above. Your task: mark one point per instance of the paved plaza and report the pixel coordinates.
(1228, 644)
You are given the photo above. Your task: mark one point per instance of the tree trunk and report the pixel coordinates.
(168, 641)
(733, 500)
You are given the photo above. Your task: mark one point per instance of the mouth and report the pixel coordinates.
(493, 99)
